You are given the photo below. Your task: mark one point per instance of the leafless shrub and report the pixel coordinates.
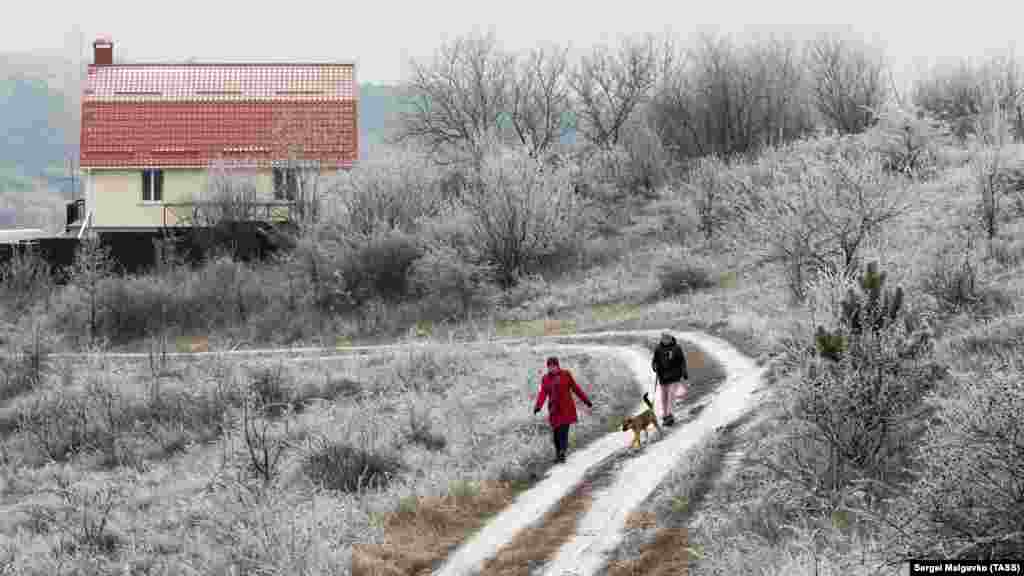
(392, 192)
(87, 514)
(849, 83)
(379, 267)
(967, 501)
(450, 285)
(272, 393)
(232, 195)
(316, 272)
(712, 187)
(25, 278)
(954, 95)
(681, 276)
(24, 371)
(265, 439)
(421, 429)
(997, 179)
(421, 372)
(348, 468)
(953, 280)
(907, 140)
(646, 160)
(964, 94)
(57, 424)
(521, 218)
(819, 215)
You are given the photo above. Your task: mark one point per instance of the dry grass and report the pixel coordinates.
(641, 520)
(537, 544)
(542, 327)
(200, 505)
(422, 532)
(667, 555)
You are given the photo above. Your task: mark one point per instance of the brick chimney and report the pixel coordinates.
(103, 52)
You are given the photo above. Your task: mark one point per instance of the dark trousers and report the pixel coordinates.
(561, 437)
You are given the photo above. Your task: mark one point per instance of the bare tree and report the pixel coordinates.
(729, 93)
(92, 266)
(610, 85)
(540, 99)
(231, 195)
(673, 111)
(953, 94)
(460, 98)
(848, 82)
(726, 99)
(784, 115)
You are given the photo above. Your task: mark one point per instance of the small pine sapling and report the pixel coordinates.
(876, 309)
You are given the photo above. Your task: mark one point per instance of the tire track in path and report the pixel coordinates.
(601, 527)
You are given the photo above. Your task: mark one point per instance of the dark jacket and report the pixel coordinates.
(669, 362)
(558, 389)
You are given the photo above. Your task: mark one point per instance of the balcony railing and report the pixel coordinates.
(208, 213)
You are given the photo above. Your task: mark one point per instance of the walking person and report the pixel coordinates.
(669, 364)
(557, 387)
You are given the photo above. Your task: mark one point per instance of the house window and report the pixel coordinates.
(152, 185)
(286, 183)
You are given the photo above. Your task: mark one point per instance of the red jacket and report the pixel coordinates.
(558, 389)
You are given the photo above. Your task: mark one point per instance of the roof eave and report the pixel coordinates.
(350, 63)
(199, 166)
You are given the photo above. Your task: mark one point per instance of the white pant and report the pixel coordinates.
(667, 394)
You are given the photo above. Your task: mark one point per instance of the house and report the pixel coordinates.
(164, 144)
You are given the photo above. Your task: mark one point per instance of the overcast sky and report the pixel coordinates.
(380, 35)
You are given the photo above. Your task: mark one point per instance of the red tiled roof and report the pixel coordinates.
(190, 115)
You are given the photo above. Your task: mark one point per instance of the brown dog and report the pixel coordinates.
(641, 422)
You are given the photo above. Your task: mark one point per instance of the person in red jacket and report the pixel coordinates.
(557, 387)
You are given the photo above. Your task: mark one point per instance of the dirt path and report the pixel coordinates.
(601, 528)
(633, 479)
(533, 504)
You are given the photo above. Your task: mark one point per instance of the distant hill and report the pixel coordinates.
(380, 107)
(31, 120)
(39, 120)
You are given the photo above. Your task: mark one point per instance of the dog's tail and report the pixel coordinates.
(648, 401)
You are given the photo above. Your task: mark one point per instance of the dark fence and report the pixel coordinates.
(135, 252)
